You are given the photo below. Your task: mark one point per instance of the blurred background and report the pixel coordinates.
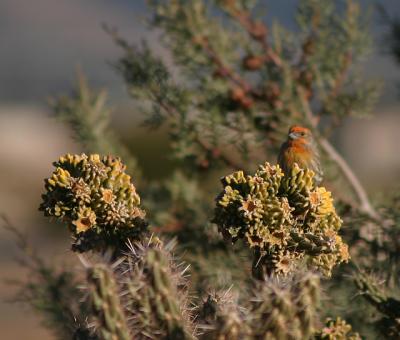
(43, 42)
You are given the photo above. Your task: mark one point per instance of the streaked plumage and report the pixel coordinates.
(300, 148)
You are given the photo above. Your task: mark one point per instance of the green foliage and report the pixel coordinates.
(284, 217)
(245, 92)
(56, 296)
(96, 198)
(333, 40)
(86, 113)
(389, 307)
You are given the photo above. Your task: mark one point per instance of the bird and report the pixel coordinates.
(300, 147)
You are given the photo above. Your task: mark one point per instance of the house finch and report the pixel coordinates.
(300, 148)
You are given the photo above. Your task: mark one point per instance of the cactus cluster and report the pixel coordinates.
(285, 217)
(337, 329)
(155, 292)
(142, 295)
(278, 309)
(286, 307)
(96, 198)
(221, 317)
(156, 304)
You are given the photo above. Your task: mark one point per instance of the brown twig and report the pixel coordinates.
(359, 190)
(364, 204)
(340, 79)
(224, 70)
(229, 162)
(31, 258)
(258, 31)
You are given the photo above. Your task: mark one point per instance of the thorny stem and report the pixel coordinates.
(257, 267)
(365, 204)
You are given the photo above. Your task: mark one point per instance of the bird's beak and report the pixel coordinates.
(292, 135)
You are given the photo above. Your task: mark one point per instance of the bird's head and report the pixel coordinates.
(297, 132)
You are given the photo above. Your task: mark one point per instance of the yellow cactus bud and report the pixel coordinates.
(86, 220)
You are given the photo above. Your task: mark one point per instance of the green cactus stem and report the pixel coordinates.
(156, 293)
(285, 309)
(221, 318)
(106, 304)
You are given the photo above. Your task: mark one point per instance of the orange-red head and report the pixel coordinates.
(299, 132)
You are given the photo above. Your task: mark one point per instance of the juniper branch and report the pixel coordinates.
(86, 113)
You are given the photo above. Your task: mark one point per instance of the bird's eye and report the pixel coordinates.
(302, 134)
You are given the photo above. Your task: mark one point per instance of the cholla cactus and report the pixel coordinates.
(111, 323)
(285, 309)
(280, 309)
(142, 295)
(285, 218)
(155, 292)
(337, 330)
(96, 198)
(221, 317)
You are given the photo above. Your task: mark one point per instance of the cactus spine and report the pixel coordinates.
(221, 318)
(283, 310)
(156, 294)
(109, 314)
(285, 220)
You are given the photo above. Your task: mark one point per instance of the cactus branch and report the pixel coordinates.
(107, 305)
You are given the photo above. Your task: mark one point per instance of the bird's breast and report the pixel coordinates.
(296, 154)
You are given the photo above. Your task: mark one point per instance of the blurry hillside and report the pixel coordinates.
(42, 42)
